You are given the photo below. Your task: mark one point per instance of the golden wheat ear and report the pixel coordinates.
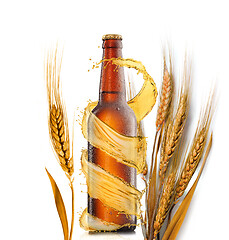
(194, 155)
(164, 203)
(178, 218)
(58, 122)
(166, 95)
(175, 126)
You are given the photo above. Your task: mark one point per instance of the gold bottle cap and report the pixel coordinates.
(112, 36)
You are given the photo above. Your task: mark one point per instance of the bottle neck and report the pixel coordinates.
(112, 81)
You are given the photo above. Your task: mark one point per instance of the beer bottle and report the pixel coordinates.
(113, 109)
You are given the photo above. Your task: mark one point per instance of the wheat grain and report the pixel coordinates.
(166, 133)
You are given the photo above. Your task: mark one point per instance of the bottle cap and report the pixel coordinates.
(112, 36)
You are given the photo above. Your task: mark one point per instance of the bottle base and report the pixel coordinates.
(126, 229)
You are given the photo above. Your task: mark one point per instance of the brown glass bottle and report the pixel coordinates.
(113, 109)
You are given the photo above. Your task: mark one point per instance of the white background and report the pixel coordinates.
(29, 28)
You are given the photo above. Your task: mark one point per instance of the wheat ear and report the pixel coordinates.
(196, 151)
(175, 127)
(191, 163)
(173, 134)
(165, 97)
(58, 123)
(164, 203)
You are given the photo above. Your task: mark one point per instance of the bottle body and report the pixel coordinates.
(113, 110)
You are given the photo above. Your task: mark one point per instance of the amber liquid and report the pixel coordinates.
(114, 111)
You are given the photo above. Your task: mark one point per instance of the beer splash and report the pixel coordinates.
(127, 150)
(131, 151)
(123, 196)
